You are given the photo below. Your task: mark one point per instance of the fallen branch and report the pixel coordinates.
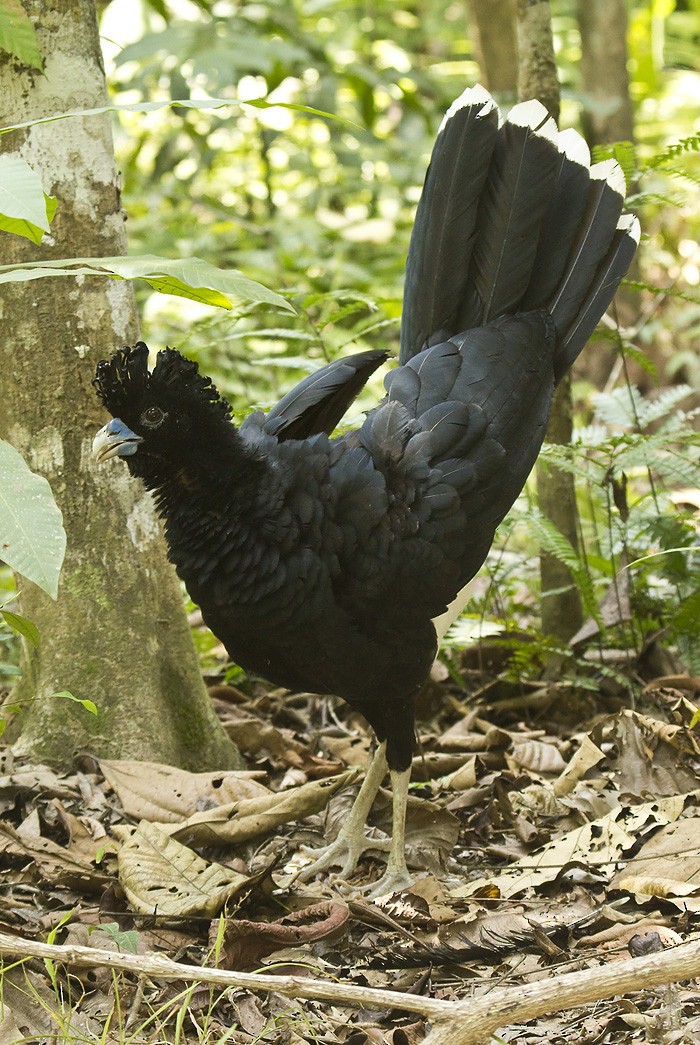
(163, 968)
(473, 1022)
(469, 1022)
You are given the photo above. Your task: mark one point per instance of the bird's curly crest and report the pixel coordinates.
(124, 379)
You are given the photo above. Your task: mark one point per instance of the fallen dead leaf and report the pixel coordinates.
(155, 791)
(161, 876)
(252, 817)
(246, 942)
(598, 845)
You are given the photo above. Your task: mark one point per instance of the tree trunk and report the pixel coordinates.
(603, 26)
(537, 67)
(556, 491)
(493, 23)
(607, 116)
(117, 633)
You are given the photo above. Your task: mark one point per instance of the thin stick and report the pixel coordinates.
(163, 968)
(469, 1022)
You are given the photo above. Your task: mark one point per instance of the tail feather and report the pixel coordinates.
(610, 271)
(521, 178)
(561, 221)
(606, 196)
(513, 218)
(446, 219)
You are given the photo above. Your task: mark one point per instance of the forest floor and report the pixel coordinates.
(551, 829)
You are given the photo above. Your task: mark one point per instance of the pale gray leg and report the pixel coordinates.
(351, 842)
(396, 876)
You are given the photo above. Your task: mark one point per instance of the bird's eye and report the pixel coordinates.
(152, 416)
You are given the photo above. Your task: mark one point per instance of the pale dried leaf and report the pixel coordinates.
(464, 777)
(647, 760)
(52, 862)
(255, 736)
(155, 791)
(672, 853)
(252, 817)
(646, 885)
(599, 845)
(536, 756)
(584, 758)
(159, 875)
(461, 737)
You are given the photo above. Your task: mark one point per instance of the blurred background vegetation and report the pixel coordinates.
(320, 209)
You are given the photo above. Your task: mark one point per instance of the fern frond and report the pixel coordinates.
(678, 148)
(624, 152)
(669, 292)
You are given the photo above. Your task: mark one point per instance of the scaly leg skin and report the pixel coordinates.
(351, 842)
(396, 876)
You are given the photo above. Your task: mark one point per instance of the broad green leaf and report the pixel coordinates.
(189, 278)
(22, 626)
(17, 35)
(25, 209)
(89, 705)
(32, 538)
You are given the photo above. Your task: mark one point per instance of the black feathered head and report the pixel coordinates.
(125, 385)
(166, 415)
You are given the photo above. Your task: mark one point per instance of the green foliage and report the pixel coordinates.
(17, 34)
(32, 538)
(25, 209)
(190, 278)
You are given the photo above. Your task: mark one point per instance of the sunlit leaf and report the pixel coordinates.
(25, 209)
(89, 705)
(189, 278)
(17, 34)
(32, 538)
(26, 628)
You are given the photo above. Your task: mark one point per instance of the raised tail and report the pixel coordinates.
(513, 218)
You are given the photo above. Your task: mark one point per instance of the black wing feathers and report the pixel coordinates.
(318, 402)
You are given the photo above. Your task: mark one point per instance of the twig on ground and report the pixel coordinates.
(469, 1022)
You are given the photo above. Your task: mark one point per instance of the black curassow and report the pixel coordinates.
(335, 565)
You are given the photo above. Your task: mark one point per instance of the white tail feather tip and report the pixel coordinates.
(472, 96)
(534, 115)
(574, 147)
(629, 223)
(610, 171)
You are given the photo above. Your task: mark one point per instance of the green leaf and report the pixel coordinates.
(17, 35)
(189, 277)
(22, 626)
(184, 103)
(126, 940)
(25, 209)
(89, 705)
(32, 538)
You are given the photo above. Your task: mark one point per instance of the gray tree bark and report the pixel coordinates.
(607, 117)
(117, 633)
(561, 605)
(493, 22)
(603, 28)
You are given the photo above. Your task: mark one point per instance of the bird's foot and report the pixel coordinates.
(394, 880)
(346, 850)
